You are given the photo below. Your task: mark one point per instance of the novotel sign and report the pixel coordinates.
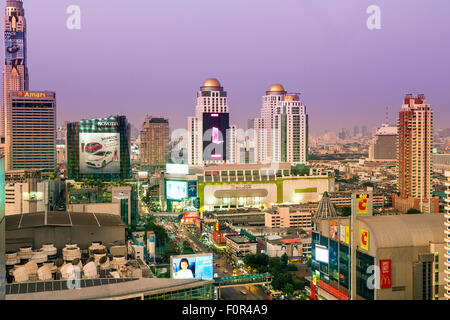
(107, 124)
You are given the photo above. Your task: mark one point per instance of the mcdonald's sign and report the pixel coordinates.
(385, 274)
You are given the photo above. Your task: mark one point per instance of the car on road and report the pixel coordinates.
(91, 147)
(100, 159)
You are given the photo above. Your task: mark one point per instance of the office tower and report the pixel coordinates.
(355, 131)
(99, 148)
(232, 144)
(154, 149)
(264, 126)
(384, 144)
(447, 238)
(2, 230)
(15, 72)
(208, 129)
(414, 149)
(364, 131)
(31, 130)
(290, 127)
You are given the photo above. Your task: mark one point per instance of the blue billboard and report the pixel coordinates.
(199, 267)
(14, 48)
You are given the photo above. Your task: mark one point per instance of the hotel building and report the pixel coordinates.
(207, 141)
(154, 149)
(31, 130)
(414, 149)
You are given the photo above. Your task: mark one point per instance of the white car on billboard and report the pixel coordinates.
(100, 159)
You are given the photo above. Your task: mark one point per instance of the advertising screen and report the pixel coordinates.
(189, 217)
(14, 44)
(100, 152)
(172, 168)
(198, 267)
(215, 126)
(192, 189)
(321, 254)
(176, 190)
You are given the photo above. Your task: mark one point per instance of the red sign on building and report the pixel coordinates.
(189, 217)
(385, 277)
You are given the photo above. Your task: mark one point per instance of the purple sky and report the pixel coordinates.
(138, 57)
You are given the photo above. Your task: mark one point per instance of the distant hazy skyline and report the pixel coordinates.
(137, 57)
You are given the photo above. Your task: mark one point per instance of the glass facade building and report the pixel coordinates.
(99, 149)
(2, 230)
(337, 272)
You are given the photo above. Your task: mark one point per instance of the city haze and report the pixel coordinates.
(150, 57)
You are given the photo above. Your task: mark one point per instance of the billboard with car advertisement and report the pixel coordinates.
(194, 266)
(14, 48)
(99, 152)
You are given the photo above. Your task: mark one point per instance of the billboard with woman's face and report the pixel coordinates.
(197, 266)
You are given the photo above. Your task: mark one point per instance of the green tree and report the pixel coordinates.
(288, 289)
(284, 260)
(413, 211)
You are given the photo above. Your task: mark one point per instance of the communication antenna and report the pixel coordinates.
(387, 115)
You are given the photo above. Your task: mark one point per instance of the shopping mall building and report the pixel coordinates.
(405, 252)
(225, 187)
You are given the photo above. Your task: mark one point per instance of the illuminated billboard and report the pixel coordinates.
(215, 126)
(172, 168)
(14, 48)
(176, 190)
(321, 254)
(189, 217)
(196, 266)
(99, 152)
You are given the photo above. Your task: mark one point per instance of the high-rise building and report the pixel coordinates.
(99, 149)
(31, 130)
(208, 129)
(447, 238)
(15, 72)
(264, 126)
(384, 144)
(364, 131)
(414, 161)
(61, 142)
(154, 149)
(355, 131)
(2, 230)
(290, 127)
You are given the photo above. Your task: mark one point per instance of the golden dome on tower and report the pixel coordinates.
(276, 88)
(211, 82)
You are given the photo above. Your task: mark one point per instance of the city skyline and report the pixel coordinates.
(343, 70)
